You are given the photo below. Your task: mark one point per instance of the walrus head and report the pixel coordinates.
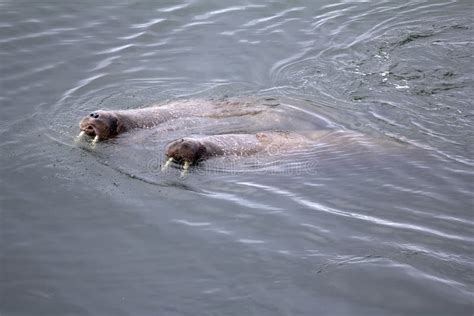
(186, 151)
(100, 125)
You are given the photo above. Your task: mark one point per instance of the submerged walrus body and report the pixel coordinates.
(102, 125)
(191, 150)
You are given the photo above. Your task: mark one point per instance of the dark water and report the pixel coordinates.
(344, 230)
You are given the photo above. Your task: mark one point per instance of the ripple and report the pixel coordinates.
(251, 241)
(173, 8)
(301, 200)
(192, 224)
(192, 24)
(34, 71)
(271, 189)
(392, 61)
(315, 227)
(387, 69)
(258, 21)
(104, 63)
(417, 273)
(227, 10)
(132, 36)
(80, 85)
(36, 35)
(115, 49)
(239, 200)
(276, 25)
(375, 220)
(145, 25)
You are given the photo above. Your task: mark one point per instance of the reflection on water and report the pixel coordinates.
(369, 226)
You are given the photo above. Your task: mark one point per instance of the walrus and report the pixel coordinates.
(190, 151)
(102, 125)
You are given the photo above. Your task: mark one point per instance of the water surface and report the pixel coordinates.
(341, 230)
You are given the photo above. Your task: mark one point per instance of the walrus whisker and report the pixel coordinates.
(167, 163)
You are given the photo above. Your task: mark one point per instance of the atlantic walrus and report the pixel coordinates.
(102, 125)
(192, 150)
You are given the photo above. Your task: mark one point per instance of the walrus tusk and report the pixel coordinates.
(186, 166)
(79, 137)
(167, 163)
(94, 141)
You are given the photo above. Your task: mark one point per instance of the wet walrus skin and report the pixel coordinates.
(192, 150)
(102, 125)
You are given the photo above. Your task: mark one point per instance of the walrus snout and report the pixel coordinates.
(89, 130)
(186, 151)
(100, 124)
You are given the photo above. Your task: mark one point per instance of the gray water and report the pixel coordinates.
(344, 230)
